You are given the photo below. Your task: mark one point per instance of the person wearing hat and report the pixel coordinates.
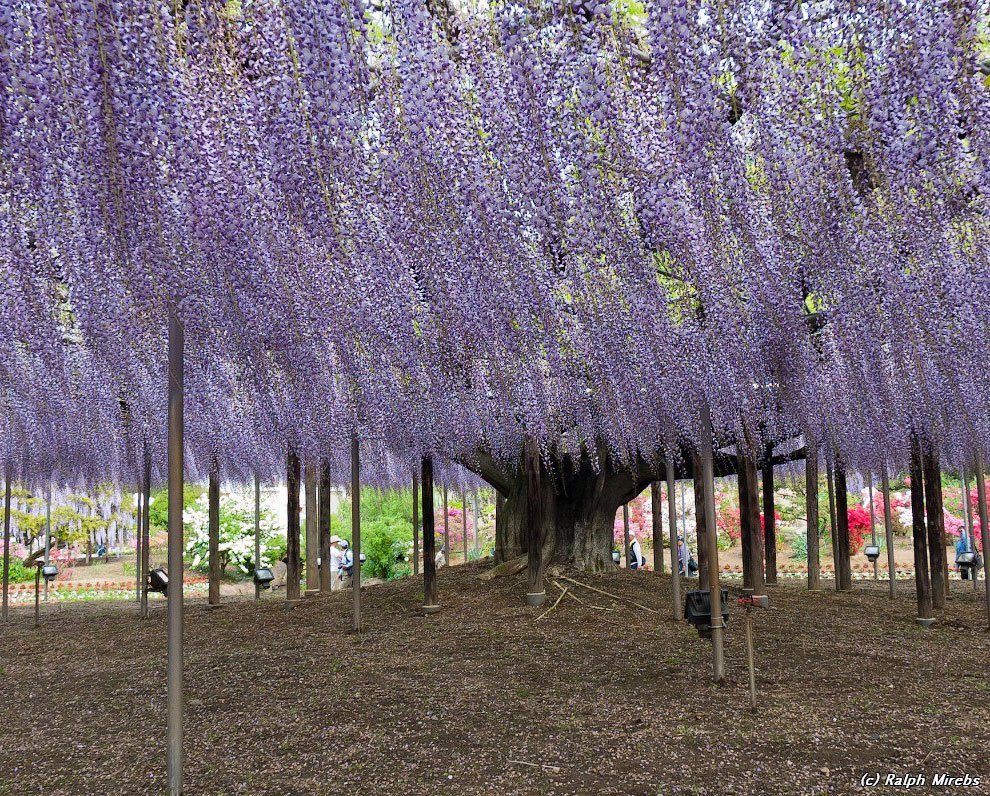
(336, 554)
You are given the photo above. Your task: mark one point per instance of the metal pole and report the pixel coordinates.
(675, 570)
(257, 534)
(446, 529)
(175, 470)
(48, 530)
(6, 542)
(356, 530)
(625, 533)
(310, 479)
(873, 527)
(981, 496)
(888, 528)
(708, 478)
(430, 602)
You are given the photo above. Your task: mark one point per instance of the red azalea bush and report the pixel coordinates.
(859, 526)
(728, 522)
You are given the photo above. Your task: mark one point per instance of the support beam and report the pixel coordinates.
(257, 532)
(464, 521)
(536, 590)
(938, 566)
(430, 602)
(749, 522)
(48, 529)
(830, 484)
(625, 535)
(700, 523)
(146, 533)
(8, 476)
(675, 572)
(477, 542)
(715, 591)
(656, 515)
(840, 543)
(969, 522)
(888, 530)
(356, 532)
(919, 531)
(811, 513)
(873, 526)
(981, 497)
(292, 564)
(138, 558)
(446, 529)
(415, 523)
(213, 506)
(174, 709)
(769, 520)
(325, 493)
(310, 477)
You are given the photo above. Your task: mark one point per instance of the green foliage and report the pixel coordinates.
(386, 531)
(799, 547)
(20, 573)
(236, 533)
(158, 512)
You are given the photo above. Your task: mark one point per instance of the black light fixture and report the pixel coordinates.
(49, 572)
(698, 610)
(158, 581)
(263, 577)
(616, 557)
(872, 552)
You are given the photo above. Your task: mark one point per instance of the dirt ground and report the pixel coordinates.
(597, 697)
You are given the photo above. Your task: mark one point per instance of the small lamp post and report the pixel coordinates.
(751, 601)
(872, 552)
(158, 581)
(49, 572)
(263, 577)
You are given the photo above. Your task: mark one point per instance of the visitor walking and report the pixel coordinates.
(346, 564)
(336, 554)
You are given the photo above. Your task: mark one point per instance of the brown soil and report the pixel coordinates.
(483, 699)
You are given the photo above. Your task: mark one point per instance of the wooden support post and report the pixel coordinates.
(477, 543)
(937, 560)
(446, 529)
(715, 590)
(146, 534)
(888, 530)
(769, 519)
(415, 523)
(430, 602)
(292, 529)
(213, 503)
(48, 529)
(536, 590)
(174, 665)
(138, 559)
(464, 523)
(969, 522)
(840, 544)
(8, 476)
(811, 512)
(625, 535)
(919, 530)
(700, 524)
(356, 532)
(257, 533)
(311, 479)
(325, 494)
(981, 498)
(656, 515)
(675, 570)
(830, 484)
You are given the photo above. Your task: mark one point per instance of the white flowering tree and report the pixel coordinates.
(236, 533)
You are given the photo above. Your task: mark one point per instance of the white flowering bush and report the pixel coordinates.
(236, 533)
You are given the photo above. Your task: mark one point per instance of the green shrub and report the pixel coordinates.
(386, 531)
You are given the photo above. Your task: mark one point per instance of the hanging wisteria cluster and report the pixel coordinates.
(447, 224)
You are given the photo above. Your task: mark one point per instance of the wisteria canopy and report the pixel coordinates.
(447, 225)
